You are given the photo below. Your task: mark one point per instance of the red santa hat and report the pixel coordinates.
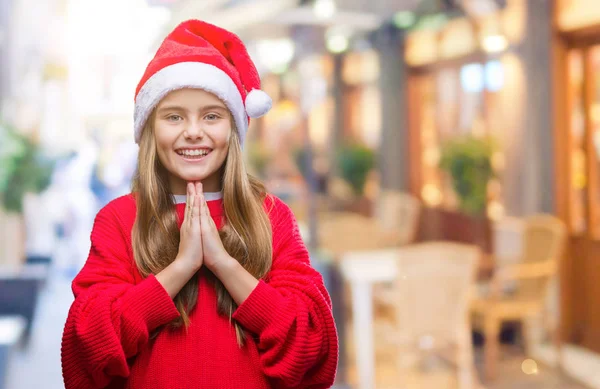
(203, 56)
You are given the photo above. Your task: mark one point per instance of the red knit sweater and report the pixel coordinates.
(292, 340)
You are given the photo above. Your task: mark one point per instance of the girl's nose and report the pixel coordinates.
(194, 130)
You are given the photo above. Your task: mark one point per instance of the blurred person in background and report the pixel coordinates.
(41, 220)
(112, 178)
(75, 206)
(198, 278)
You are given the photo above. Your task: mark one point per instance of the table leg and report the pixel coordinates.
(491, 347)
(363, 334)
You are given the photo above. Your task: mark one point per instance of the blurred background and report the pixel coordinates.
(442, 158)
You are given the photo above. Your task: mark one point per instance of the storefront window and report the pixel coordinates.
(584, 140)
(471, 112)
(454, 101)
(448, 88)
(495, 124)
(594, 122)
(431, 189)
(494, 76)
(577, 135)
(360, 74)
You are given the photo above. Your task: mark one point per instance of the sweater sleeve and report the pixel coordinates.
(111, 316)
(290, 312)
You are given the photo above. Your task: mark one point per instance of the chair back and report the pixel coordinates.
(398, 213)
(544, 239)
(434, 286)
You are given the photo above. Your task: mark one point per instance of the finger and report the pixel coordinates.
(193, 204)
(203, 210)
(206, 210)
(192, 188)
(191, 197)
(207, 215)
(187, 203)
(198, 193)
(196, 209)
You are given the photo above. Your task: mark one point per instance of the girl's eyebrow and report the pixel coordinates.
(178, 108)
(214, 106)
(170, 108)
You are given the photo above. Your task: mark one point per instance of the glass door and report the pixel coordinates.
(593, 122)
(584, 140)
(578, 181)
(452, 101)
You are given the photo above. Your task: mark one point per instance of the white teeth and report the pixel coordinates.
(193, 152)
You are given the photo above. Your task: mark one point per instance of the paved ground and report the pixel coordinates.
(38, 366)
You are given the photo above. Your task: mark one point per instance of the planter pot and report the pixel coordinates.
(442, 224)
(362, 206)
(12, 239)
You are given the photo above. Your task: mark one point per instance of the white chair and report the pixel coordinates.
(398, 214)
(432, 293)
(519, 289)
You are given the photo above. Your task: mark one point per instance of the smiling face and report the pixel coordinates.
(192, 129)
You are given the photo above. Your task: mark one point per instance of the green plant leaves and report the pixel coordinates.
(11, 150)
(468, 162)
(23, 168)
(355, 162)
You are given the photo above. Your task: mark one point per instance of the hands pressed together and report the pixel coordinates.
(200, 243)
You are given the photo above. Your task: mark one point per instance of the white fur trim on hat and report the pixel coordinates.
(189, 75)
(258, 103)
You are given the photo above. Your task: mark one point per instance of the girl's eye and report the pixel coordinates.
(174, 118)
(211, 116)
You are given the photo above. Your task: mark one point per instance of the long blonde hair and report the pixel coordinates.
(246, 232)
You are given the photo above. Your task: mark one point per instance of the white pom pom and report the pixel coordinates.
(258, 103)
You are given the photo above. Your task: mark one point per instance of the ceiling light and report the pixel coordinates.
(495, 43)
(337, 43)
(337, 39)
(276, 54)
(324, 9)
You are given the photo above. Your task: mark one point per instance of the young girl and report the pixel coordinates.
(198, 279)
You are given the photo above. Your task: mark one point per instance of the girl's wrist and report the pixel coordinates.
(185, 265)
(225, 267)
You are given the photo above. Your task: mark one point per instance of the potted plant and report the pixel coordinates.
(468, 162)
(24, 168)
(355, 162)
